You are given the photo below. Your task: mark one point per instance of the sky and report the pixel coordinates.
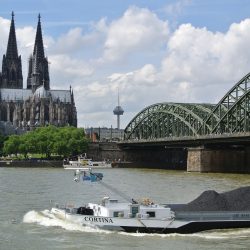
(191, 51)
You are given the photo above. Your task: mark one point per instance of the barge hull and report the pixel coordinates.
(192, 227)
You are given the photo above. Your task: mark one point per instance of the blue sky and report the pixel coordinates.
(216, 15)
(154, 51)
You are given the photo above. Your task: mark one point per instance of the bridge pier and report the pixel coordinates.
(223, 160)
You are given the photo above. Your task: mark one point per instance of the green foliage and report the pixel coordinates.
(23, 147)
(2, 139)
(11, 146)
(49, 140)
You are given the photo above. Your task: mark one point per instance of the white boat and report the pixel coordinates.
(210, 210)
(147, 217)
(81, 162)
(100, 164)
(119, 216)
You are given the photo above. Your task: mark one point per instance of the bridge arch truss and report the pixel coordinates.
(232, 110)
(162, 120)
(167, 119)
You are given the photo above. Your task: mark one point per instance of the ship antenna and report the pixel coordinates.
(118, 97)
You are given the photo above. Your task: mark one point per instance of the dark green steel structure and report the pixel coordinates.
(164, 120)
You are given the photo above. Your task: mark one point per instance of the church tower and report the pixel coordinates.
(38, 72)
(11, 65)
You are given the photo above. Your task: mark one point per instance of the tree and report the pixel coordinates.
(70, 141)
(45, 140)
(23, 146)
(65, 141)
(11, 146)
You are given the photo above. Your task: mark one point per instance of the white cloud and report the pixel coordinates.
(207, 59)
(76, 40)
(4, 31)
(137, 30)
(177, 7)
(146, 75)
(65, 69)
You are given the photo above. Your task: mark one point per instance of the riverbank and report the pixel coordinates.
(32, 163)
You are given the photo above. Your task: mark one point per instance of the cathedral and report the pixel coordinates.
(37, 105)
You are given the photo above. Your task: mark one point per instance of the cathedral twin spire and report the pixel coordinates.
(12, 45)
(38, 48)
(38, 73)
(12, 65)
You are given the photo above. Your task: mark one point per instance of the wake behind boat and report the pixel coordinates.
(209, 211)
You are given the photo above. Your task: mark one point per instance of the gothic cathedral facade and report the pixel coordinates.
(37, 105)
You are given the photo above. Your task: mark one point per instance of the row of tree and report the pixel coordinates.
(65, 142)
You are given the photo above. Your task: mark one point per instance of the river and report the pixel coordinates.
(27, 194)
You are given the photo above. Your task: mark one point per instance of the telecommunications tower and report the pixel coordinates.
(118, 111)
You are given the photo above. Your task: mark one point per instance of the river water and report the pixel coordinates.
(27, 195)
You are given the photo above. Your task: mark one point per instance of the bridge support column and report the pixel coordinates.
(194, 159)
(231, 160)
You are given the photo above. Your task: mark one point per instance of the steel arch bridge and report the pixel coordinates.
(164, 120)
